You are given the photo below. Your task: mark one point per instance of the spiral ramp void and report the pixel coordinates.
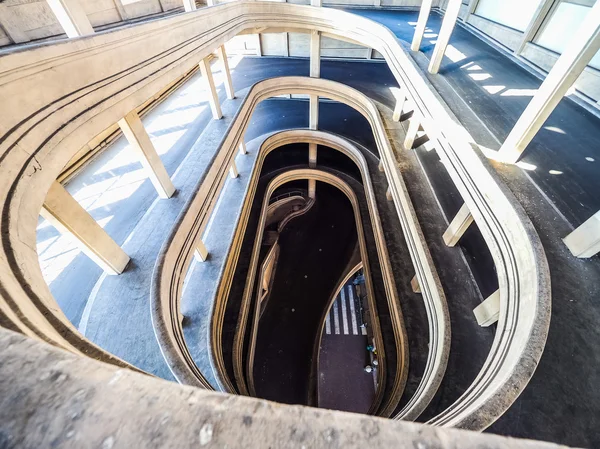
(69, 103)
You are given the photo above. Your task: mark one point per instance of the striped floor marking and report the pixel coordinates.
(346, 306)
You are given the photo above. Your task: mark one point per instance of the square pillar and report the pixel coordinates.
(315, 54)
(138, 138)
(488, 312)
(71, 17)
(312, 155)
(67, 215)
(413, 128)
(213, 98)
(228, 83)
(399, 107)
(460, 223)
(446, 30)
(421, 25)
(233, 171)
(243, 148)
(313, 113)
(414, 285)
(312, 188)
(201, 253)
(189, 5)
(584, 241)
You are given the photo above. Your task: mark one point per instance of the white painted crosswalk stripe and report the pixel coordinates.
(342, 300)
(328, 324)
(352, 311)
(346, 305)
(336, 319)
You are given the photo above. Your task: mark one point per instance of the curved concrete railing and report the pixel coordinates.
(70, 99)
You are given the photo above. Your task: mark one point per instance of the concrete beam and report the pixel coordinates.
(67, 215)
(213, 98)
(460, 223)
(227, 81)
(488, 311)
(584, 241)
(581, 49)
(313, 113)
(312, 155)
(471, 9)
(71, 16)
(189, 5)
(138, 138)
(443, 38)
(10, 25)
(312, 188)
(200, 253)
(315, 54)
(421, 25)
(414, 284)
(233, 171)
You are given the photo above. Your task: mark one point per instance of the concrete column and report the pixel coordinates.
(258, 45)
(67, 215)
(584, 44)
(312, 155)
(121, 9)
(460, 223)
(243, 148)
(286, 44)
(471, 8)
(414, 284)
(534, 24)
(233, 171)
(138, 138)
(421, 25)
(413, 129)
(445, 33)
(584, 241)
(10, 25)
(313, 114)
(400, 100)
(315, 54)
(228, 83)
(312, 188)
(316, 2)
(380, 166)
(71, 17)
(213, 98)
(488, 312)
(388, 194)
(189, 5)
(201, 253)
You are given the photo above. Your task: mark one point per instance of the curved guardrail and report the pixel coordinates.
(71, 99)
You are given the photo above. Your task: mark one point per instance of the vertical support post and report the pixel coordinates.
(444, 37)
(189, 5)
(413, 129)
(213, 98)
(534, 24)
(488, 312)
(10, 25)
(388, 194)
(312, 188)
(460, 223)
(471, 9)
(286, 44)
(121, 9)
(312, 155)
(200, 253)
(71, 17)
(316, 2)
(315, 54)
(138, 138)
(243, 148)
(313, 113)
(400, 100)
(258, 45)
(233, 171)
(228, 83)
(581, 49)
(67, 215)
(421, 25)
(414, 284)
(380, 166)
(584, 241)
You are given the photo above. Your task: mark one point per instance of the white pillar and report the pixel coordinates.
(313, 113)
(585, 240)
(67, 215)
(380, 166)
(315, 54)
(413, 129)
(443, 38)
(312, 188)
(258, 45)
(10, 24)
(228, 83)
(286, 44)
(584, 44)
(388, 194)
(233, 171)
(243, 148)
(312, 155)
(535, 23)
(71, 17)
(120, 9)
(213, 98)
(189, 5)
(488, 312)
(138, 138)
(421, 25)
(414, 284)
(316, 2)
(201, 253)
(400, 100)
(460, 223)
